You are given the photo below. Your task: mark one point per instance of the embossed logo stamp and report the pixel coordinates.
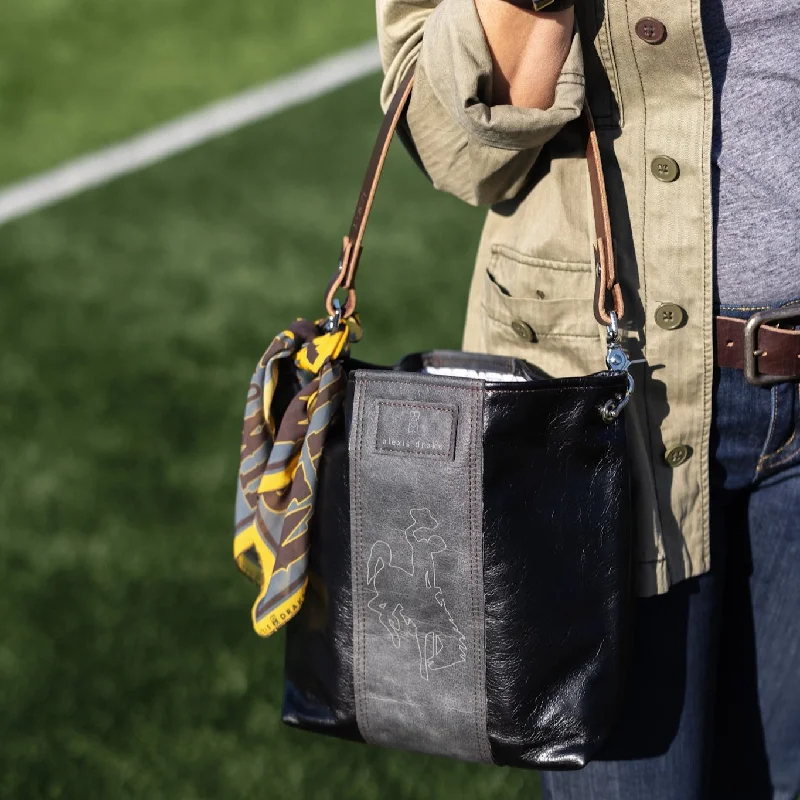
(408, 600)
(418, 429)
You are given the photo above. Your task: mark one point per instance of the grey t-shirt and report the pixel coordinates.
(754, 51)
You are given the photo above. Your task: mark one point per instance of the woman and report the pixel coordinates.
(697, 108)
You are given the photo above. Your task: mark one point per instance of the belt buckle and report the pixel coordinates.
(751, 351)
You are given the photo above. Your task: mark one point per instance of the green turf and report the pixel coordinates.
(131, 319)
(78, 74)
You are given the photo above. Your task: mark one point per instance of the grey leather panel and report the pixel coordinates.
(417, 563)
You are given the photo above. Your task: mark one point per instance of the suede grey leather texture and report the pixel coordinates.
(416, 507)
(514, 501)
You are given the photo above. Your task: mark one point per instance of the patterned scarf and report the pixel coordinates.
(278, 469)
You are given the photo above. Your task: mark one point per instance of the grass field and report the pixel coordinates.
(78, 74)
(131, 319)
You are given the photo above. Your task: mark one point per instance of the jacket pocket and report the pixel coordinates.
(541, 311)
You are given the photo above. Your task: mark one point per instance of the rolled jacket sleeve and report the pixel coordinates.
(470, 148)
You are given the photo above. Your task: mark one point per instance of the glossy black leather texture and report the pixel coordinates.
(318, 686)
(556, 569)
(557, 555)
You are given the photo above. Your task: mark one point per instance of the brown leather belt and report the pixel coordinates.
(765, 352)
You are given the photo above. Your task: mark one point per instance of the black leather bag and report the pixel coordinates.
(469, 587)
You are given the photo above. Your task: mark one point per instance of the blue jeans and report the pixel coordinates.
(714, 705)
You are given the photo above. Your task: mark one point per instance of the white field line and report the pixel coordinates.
(188, 131)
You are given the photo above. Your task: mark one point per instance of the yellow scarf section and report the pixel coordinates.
(295, 391)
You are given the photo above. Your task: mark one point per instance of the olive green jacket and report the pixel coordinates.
(533, 283)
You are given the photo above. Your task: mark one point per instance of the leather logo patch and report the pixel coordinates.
(418, 429)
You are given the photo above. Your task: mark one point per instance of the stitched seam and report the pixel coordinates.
(509, 390)
(479, 416)
(473, 571)
(708, 350)
(400, 382)
(581, 336)
(770, 431)
(643, 272)
(359, 548)
(481, 740)
(784, 460)
(361, 429)
(544, 263)
(413, 404)
(767, 460)
(359, 677)
(743, 308)
(493, 316)
(771, 463)
(355, 555)
(539, 336)
(485, 744)
(396, 451)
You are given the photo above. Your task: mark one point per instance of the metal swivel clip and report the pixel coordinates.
(334, 320)
(617, 361)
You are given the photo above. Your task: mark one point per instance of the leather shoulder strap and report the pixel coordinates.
(608, 296)
(607, 293)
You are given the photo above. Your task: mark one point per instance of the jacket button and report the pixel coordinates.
(523, 330)
(670, 316)
(651, 30)
(665, 168)
(677, 455)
